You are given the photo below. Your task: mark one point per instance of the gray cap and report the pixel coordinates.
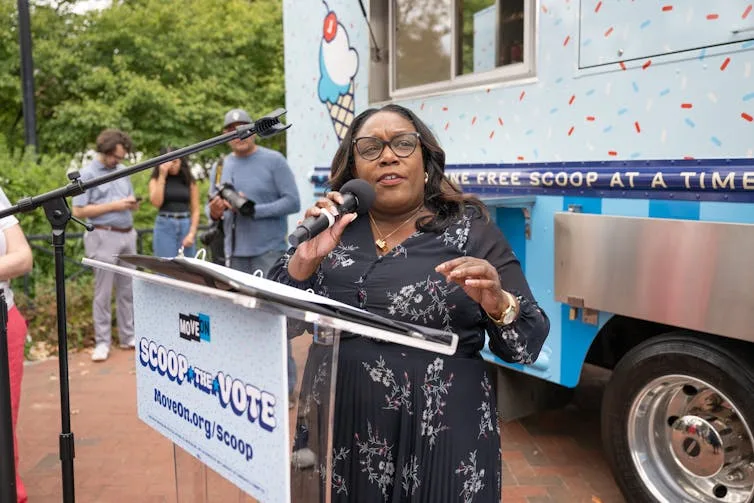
(235, 116)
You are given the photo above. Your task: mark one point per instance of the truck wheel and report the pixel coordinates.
(677, 422)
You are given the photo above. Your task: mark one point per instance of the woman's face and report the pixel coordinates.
(174, 166)
(398, 178)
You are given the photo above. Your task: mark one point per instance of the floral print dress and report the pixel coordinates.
(412, 425)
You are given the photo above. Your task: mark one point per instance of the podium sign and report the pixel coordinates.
(210, 376)
(214, 348)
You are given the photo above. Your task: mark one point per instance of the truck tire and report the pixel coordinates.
(677, 421)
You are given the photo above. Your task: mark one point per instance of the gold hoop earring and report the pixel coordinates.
(426, 177)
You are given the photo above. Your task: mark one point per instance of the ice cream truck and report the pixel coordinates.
(612, 141)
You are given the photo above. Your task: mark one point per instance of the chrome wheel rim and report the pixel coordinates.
(689, 442)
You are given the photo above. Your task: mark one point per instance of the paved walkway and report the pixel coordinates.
(551, 457)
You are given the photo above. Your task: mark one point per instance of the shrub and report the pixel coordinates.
(41, 313)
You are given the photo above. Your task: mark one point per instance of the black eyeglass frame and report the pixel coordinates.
(387, 143)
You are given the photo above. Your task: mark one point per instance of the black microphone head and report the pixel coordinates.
(364, 193)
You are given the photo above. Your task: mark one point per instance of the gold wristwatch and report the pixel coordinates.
(509, 313)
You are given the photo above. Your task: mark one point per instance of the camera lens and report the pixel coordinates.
(207, 237)
(240, 203)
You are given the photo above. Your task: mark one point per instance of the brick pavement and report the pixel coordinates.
(556, 456)
(550, 457)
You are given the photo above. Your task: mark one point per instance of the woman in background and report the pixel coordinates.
(15, 260)
(173, 191)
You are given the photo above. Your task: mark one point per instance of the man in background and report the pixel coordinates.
(109, 208)
(254, 243)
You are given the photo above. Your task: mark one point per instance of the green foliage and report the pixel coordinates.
(41, 312)
(163, 71)
(22, 176)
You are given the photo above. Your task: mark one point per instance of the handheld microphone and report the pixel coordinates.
(358, 197)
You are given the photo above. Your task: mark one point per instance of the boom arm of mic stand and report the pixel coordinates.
(266, 126)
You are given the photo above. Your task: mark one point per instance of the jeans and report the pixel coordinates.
(168, 236)
(264, 263)
(251, 265)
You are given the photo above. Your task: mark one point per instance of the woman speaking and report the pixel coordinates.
(411, 425)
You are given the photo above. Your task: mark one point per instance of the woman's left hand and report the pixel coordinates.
(188, 241)
(479, 279)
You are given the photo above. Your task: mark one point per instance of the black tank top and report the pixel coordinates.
(177, 195)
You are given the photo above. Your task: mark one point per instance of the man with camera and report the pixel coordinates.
(251, 198)
(255, 193)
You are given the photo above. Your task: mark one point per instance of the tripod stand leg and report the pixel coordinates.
(7, 457)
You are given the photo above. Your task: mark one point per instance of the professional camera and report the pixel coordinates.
(215, 230)
(239, 203)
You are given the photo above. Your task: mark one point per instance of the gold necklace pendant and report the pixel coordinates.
(382, 241)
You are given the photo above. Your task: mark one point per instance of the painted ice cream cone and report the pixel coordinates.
(338, 63)
(342, 112)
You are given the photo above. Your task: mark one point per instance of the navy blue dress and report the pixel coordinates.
(412, 425)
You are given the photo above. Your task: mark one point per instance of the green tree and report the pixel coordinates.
(163, 71)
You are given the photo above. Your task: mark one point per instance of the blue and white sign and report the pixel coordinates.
(211, 376)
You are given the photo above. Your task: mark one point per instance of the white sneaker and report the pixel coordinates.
(100, 353)
(128, 345)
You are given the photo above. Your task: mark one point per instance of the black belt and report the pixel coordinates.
(173, 215)
(114, 229)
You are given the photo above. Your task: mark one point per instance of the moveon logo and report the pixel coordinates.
(194, 327)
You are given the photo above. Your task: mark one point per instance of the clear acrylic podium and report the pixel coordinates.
(315, 351)
(214, 350)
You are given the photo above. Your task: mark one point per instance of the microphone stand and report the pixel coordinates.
(58, 214)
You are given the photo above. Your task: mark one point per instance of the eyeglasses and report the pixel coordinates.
(402, 145)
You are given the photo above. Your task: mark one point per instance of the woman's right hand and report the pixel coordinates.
(320, 245)
(310, 253)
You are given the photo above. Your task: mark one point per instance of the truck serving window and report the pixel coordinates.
(435, 46)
